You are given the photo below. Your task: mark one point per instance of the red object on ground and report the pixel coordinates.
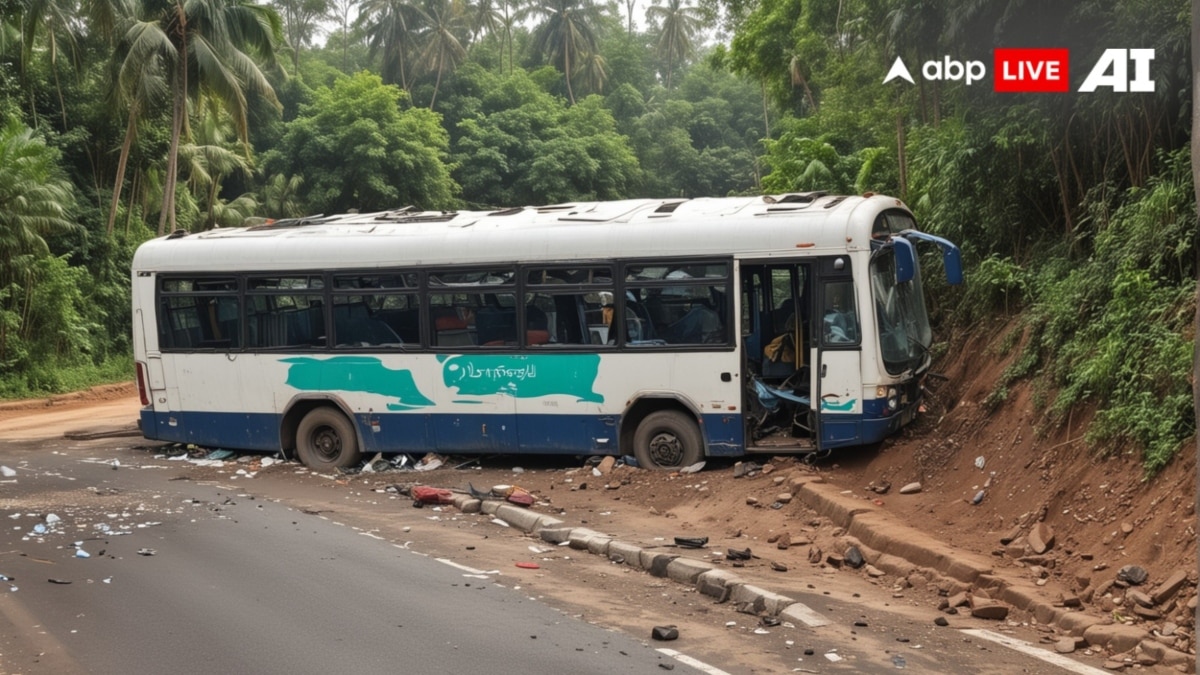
(528, 565)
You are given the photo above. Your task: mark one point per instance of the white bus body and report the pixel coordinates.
(667, 329)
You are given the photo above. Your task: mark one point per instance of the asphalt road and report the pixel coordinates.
(192, 570)
(242, 585)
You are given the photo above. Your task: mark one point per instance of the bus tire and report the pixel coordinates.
(667, 439)
(326, 440)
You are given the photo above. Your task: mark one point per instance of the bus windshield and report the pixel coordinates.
(904, 333)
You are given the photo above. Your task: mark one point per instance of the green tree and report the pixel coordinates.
(442, 50)
(678, 23)
(566, 34)
(208, 49)
(35, 201)
(392, 29)
(301, 22)
(357, 147)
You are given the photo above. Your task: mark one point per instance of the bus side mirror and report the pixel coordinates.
(906, 259)
(951, 257)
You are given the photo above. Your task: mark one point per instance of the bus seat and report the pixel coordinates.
(535, 318)
(496, 324)
(537, 337)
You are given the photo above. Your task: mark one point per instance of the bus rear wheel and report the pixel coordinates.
(667, 439)
(325, 440)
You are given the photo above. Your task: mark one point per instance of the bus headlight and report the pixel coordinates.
(893, 398)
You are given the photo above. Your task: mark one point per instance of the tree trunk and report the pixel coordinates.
(130, 133)
(178, 112)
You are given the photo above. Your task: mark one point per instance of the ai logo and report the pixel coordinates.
(1111, 70)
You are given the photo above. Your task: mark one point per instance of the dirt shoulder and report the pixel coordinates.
(1049, 515)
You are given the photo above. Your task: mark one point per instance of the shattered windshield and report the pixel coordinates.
(904, 333)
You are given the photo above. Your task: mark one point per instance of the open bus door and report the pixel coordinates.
(778, 352)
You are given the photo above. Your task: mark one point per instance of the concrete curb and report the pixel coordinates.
(892, 546)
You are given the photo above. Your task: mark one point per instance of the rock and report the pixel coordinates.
(1133, 574)
(1148, 613)
(814, 555)
(874, 572)
(1126, 527)
(665, 633)
(1065, 646)
(1041, 538)
(1140, 598)
(606, 465)
(941, 621)
(778, 566)
(911, 488)
(784, 497)
(1011, 536)
(978, 498)
(784, 541)
(834, 560)
(1112, 664)
(957, 600)
(1168, 589)
(768, 468)
(752, 501)
(990, 610)
(854, 557)
(1070, 600)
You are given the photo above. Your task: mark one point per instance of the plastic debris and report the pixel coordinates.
(761, 631)
(52, 518)
(80, 553)
(146, 551)
(691, 542)
(116, 464)
(501, 523)
(220, 455)
(693, 468)
(833, 656)
(978, 497)
(8, 473)
(899, 662)
(39, 529)
(63, 582)
(528, 565)
(630, 460)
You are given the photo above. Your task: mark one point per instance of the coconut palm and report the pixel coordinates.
(566, 34)
(205, 49)
(678, 23)
(441, 49)
(280, 197)
(35, 196)
(392, 28)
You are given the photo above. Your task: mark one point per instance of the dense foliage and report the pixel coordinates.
(1074, 210)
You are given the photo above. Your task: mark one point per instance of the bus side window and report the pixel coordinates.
(840, 321)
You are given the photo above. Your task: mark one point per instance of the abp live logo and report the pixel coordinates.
(1048, 70)
(1041, 70)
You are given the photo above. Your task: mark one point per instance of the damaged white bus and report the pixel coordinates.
(671, 330)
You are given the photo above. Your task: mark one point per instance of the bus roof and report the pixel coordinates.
(737, 226)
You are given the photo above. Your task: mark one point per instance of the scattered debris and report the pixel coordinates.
(147, 551)
(691, 542)
(1133, 574)
(853, 557)
(62, 582)
(911, 488)
(665, 633)
(528, 565)
(8, 473)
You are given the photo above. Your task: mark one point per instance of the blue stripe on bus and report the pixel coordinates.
(444, 432)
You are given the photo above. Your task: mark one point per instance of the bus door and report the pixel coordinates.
(163, 400)
(838, 376)
(779, 351)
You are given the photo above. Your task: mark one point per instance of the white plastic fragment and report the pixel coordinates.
(833, 656)
(979, 463)
(8, 473)
(501, 523)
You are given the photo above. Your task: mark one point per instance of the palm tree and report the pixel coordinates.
(34, 195)
(281, 197)
(594, 71)
(679, 23)
(566, 34)
(301, 21)
(392, 27)
(510, 13)
(58, 21)
(138, 86)
(206, 49)
(441, 49)
(483, 16)
(208, 163)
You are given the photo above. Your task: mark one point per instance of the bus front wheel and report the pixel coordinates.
(325, 440)
(667, 439)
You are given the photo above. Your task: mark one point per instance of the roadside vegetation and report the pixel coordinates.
(125, 119)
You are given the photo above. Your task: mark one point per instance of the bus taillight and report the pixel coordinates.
(143, 393)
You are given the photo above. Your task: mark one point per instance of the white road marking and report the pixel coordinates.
(1036, 652)
(698, 665)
